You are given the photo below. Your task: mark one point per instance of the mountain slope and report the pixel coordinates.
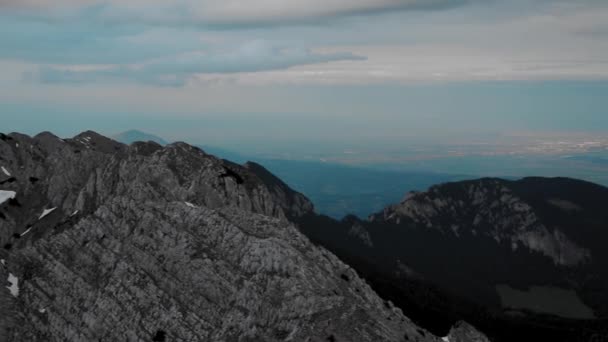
(293, 202)
(110, 242)
(516, 258)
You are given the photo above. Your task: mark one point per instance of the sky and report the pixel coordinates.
(267, 72)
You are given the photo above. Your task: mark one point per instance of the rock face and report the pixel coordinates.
(464, 332)
(108, 242)
(445, 254)
(490, 208)
(294, 203)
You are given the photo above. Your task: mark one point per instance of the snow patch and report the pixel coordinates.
(74, 213)
(3, 262)
(6, 171)
(6, 195)
(46, 212)
(445, 339)
(14, 288)
(26, 231)
(42, 310)
(85, 141)
(190, 205)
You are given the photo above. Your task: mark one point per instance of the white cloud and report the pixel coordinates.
(228, 11)
(429, 63)
(553, 40)
(253, 56)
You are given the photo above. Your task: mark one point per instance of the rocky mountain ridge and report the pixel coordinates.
(106, 242)
(468, 207)
(515, 258)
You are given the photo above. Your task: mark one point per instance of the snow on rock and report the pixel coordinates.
(26, 231)
(74, 213)
(6, 171)
(445, 339)
(3, 262)
(85, 141)
(46, 212)
(14, 287)
(6, 195)
(190, 205)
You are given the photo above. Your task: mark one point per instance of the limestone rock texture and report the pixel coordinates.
(111, 242)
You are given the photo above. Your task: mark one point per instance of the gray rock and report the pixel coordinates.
(293, 203)
(464, 332)
(151, 243)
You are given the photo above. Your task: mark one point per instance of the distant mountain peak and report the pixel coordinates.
(133, 135)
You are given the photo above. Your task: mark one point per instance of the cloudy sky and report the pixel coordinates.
(231, 70)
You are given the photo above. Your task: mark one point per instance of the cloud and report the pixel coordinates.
(170, 43)
(223, 12)
(253, 56)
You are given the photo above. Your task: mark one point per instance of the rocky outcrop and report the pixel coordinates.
(108, 242)
(464, 332)
(83, 172)
(293, 203)
(488, 208)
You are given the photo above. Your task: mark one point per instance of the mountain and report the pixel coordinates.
(521, 260)
(337, 190)
(110, 242)
(225, 153)
(294, 203)
(133, 135)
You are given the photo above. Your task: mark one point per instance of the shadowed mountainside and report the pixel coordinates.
(477, 250)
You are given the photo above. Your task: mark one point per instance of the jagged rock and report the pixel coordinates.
(464, 332)
(293, 203)
(150, 243)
